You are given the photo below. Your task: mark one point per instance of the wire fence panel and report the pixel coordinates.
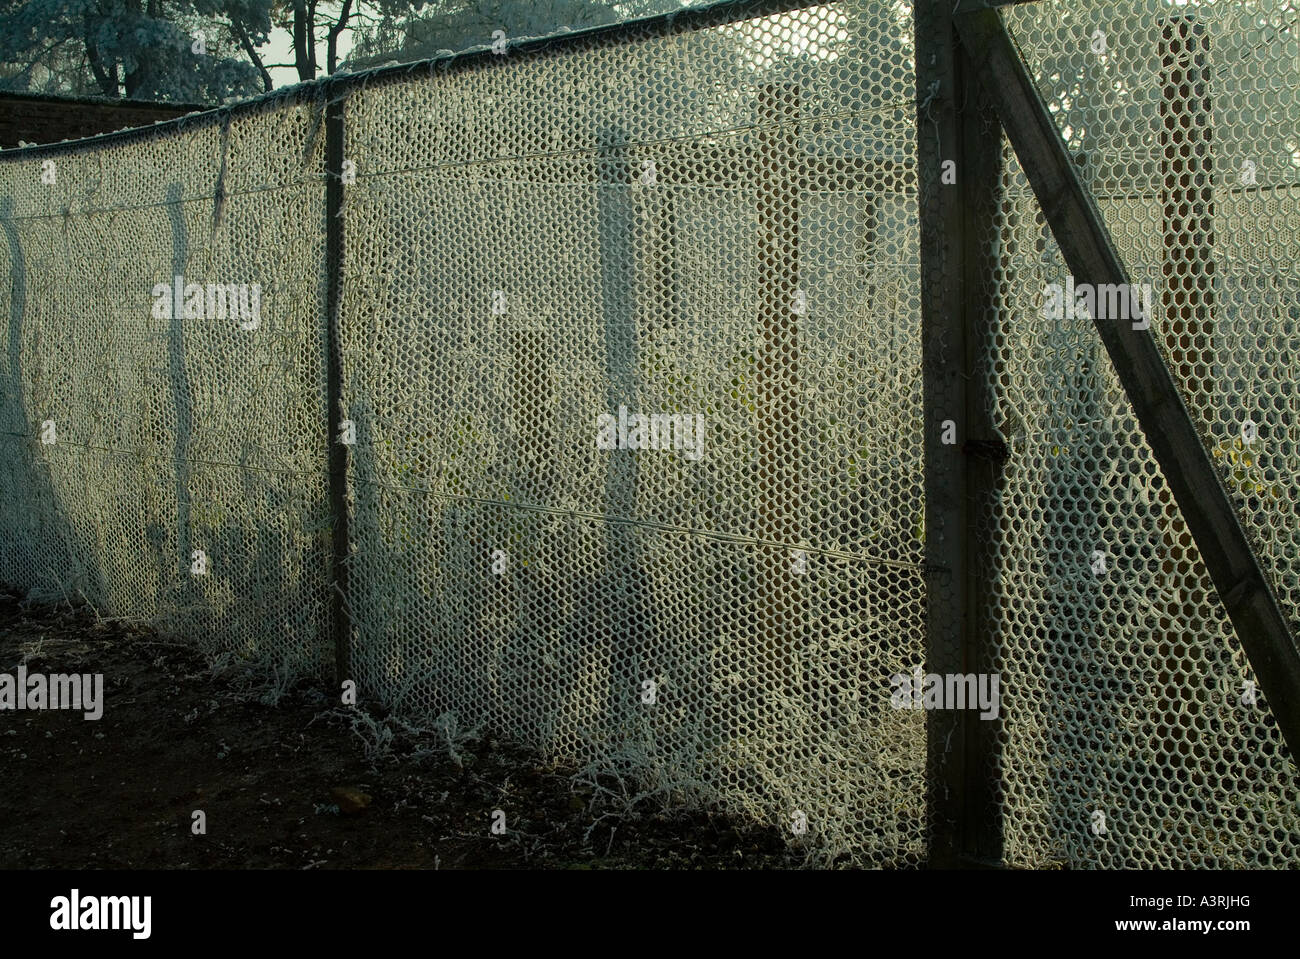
(163, 403)
(630, 354)
(1134, 735)
(628, 357)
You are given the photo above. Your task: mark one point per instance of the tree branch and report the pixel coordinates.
(107, 81)
(237, 28)
(332, 55)
(311, 35)
(135, 78)
(301, 59)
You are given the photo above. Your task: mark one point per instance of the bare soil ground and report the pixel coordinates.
(176, 737)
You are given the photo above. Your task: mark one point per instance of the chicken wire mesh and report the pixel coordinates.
(162, 450)
(712, 226)
(716, 224)
(1132, 734)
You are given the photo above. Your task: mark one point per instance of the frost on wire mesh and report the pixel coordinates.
(717, 223)
(1128, 693)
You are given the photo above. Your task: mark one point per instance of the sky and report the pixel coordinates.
(280, 50)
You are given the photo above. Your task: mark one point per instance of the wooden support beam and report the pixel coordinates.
(340, 623)
(979, 178)
(1242, 584)
(944, 384)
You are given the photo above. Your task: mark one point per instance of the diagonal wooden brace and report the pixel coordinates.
(1242, 584)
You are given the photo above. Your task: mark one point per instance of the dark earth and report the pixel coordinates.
(288, 780)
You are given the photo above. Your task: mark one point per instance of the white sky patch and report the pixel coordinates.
(280, 50)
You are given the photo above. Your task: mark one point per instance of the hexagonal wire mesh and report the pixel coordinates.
(161, 451)
(714, 223)
(1132, 735)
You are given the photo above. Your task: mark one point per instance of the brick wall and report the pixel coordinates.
(36, 118)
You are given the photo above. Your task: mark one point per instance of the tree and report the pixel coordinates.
(306, 19)
(250, 26)
(416, 30)
(149, 49)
